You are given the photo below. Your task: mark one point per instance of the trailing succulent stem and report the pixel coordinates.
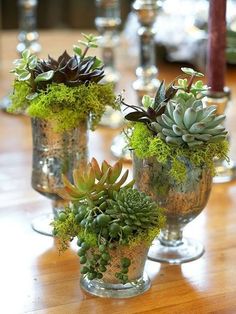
(106, 213)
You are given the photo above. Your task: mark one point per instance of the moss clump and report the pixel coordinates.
(67, 229)
(146, 145)
(65, 106)
(18, 98)
(178, 170)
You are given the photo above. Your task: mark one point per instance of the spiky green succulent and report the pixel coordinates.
(187, 122)
(105, 214)
(130, 217)
(95, 183)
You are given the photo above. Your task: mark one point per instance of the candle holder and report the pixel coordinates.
(146, 83)
(225, 170)
(27, 37)
(107, 22)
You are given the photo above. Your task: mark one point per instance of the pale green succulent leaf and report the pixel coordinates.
(26, 54)
(32, 96)
(188, 138)
(24, 76)
(197, 127)
(190, 71)
(147, 101)
(190, 117)
(46, 76)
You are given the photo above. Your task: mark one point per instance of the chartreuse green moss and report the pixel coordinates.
(66, 230)
(146, 145)
(18, 98)
(63, 105)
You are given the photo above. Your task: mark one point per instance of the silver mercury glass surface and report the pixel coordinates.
(55, 154)
(28, 35)
(225, 170)
(182, 202)
(147, 82)
(107, 22)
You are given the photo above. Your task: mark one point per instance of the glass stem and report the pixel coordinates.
(171, 236)
(58, 206)
(28, 35)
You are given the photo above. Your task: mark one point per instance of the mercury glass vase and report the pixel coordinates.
(182, 203)
(109, 286)
(54, 154)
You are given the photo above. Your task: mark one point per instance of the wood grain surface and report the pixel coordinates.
(35, 279)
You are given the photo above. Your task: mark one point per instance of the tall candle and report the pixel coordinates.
(216, 45)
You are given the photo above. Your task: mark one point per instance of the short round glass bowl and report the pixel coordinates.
(109, 286)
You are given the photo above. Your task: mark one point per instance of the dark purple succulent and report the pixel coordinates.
(148, 115)
(71, 71)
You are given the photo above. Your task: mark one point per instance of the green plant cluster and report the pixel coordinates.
(146, 145)
(64, 91)
(177, 114)
(174, 126)
(106, 214)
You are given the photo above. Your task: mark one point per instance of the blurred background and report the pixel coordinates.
(181, 25)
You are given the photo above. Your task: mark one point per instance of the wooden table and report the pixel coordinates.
(35, 279)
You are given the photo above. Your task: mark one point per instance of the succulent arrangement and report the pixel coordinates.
(105, 213)
(65, 90)
(178, 124)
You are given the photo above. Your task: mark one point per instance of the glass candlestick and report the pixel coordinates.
(225, 170)
(27, 37)
(147, 82)
(107, 22)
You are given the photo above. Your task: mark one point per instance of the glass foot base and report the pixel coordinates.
(119, 148)
(42, 225)
(226, 172)
(101, 289)
(188, 251)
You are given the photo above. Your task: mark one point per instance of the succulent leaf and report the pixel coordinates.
(187, 122)
(94, 182)
(96, 168)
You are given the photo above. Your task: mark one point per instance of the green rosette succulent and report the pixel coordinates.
(105, 213)
(187, 122)
(130, 217)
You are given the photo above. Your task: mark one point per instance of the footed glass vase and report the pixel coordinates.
(182, 203)
(109, 286)
(54, 154)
